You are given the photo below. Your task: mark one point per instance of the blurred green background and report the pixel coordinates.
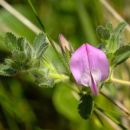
(24, 105)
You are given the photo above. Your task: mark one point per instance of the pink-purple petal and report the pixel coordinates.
(79, 65)
(89, 66)
(93, 86)
(98, 61)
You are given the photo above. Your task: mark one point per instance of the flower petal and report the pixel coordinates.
(79, 66)
(89, 66)
(98, 63)
(93, 86)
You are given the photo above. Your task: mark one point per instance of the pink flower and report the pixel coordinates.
(89, 66)
(64, 43)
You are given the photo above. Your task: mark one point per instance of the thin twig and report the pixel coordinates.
(36, 15)
(109, 121)
(19, 16)
(116, 103)
(98, 117)
(116, 125)
(119, 81)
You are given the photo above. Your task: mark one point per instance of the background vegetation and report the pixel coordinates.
(25, 105)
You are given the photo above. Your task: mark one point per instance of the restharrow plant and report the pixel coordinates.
(27, 58)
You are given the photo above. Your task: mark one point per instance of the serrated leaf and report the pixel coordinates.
(25, 47)
(42, 78)
(20, 43)
(6, 70)
(118, 30)
(28, 49)
(11, 40)
(40, 44)
(109, 27)
(103, 33)
(115, 39)
(85, 106)
(121, 55)
(8, 61)
(25, 56)
(22, 55)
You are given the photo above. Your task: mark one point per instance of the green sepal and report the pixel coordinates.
(85, 106)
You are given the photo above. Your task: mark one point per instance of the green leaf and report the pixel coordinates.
(11, 40)
(115, 41)
(19, 45)
(8, 61)
(65, 102)
(109, 27)
(121, 55)
(85, 106)
(25, 47)
(6, 70)
(103, 33)
(41, 77)
(118, 30)
(22, 54)
(40, 44)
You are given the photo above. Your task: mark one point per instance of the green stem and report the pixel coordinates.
(118, 104)
(59, 56)
(36, 15)
(119, 81)
(115, 124)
